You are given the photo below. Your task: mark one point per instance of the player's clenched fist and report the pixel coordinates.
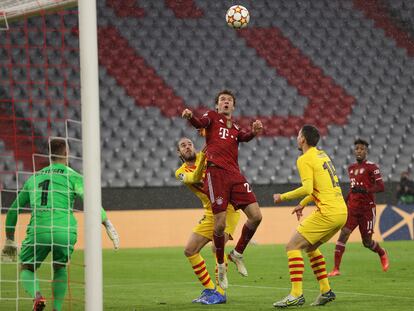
(257, 127)
(277, 198)
(187, 114)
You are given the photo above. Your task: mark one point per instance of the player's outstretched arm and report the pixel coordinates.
(277, 198)
(110, 229)
(306, 176)
(304, 191)
(9, 252)
(187, 114)
(198, 123)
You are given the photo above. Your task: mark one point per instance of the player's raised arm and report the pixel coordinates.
(257, 127)
(195, 176)
(197, 122)
(247, 135)
(187, 114)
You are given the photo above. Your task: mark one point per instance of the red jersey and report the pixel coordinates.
(222, 139)
(366, 176)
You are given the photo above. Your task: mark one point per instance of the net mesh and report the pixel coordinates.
(39, 100)
(15, 8)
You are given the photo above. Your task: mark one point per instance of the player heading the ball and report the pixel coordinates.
(225, 183)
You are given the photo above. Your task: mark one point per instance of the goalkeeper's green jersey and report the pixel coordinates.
(51, 193)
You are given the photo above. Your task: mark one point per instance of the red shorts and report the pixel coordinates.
(364, 218)
(224, 187)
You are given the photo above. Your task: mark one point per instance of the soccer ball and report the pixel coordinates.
(237, 17)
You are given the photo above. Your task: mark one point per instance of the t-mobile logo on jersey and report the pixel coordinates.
(223, 132)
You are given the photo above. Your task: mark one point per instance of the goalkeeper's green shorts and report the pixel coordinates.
(36, 247)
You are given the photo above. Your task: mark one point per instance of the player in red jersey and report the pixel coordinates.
(225, 183)
(365, 180)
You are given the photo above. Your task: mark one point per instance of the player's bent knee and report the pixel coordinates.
(258, 219)
(367, 243)
(219, 229)
(254, 214)
(188, 252)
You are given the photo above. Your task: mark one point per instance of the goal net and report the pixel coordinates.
(39, 101)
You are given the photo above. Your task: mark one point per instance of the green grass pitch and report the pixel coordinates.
(161, 279)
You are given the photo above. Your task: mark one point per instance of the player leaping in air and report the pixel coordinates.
(319, 184)
(365, 180)
(191, 173)
(50, 193)
(225, 184)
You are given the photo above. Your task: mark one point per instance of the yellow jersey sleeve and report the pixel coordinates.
(306, 200)
(192, 176)
(306, 176)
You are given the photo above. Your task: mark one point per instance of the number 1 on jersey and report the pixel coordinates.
(45, 191)
(332, 172)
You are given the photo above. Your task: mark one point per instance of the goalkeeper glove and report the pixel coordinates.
(9, 252)
(111, 232)
(358, 189)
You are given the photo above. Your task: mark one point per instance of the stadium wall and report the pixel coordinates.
(181, 198)
(169, 228)
(165, 216)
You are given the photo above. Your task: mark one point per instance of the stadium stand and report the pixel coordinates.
(336, 68)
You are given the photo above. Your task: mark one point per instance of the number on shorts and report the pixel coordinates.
(45, 191)
(332, 172)
(248, 188)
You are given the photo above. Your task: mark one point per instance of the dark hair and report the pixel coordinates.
(311, 134)
(57, 148)
(225, 92)
(360, 141)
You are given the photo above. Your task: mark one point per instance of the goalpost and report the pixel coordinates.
(88, 43)
(15, 9)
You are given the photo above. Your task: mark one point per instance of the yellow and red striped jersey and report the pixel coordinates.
(319, 183)
(192, 176)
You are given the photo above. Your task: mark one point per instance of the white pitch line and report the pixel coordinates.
(265, 287)
(242, 286)
(313, 290)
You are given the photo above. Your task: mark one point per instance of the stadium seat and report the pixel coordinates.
(350, 56)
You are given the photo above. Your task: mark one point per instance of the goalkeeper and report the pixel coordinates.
(50, 193)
